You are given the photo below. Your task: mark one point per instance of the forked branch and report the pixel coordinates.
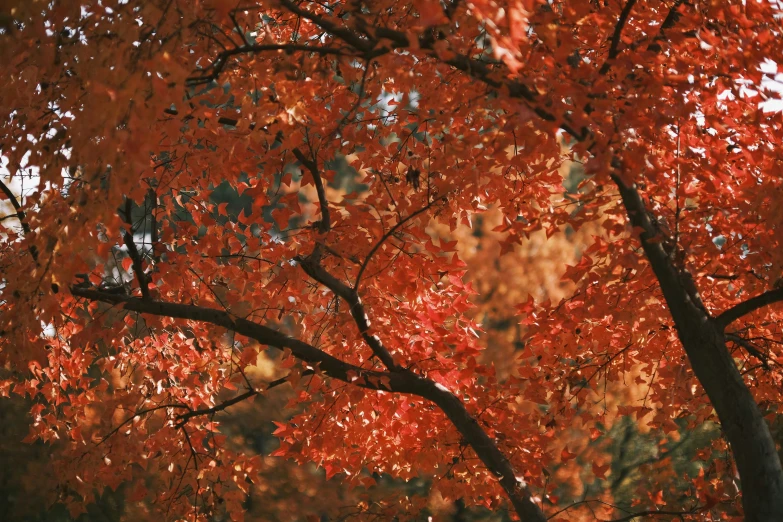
(393, 230)
(312, 267)
(402, 381)
(17, 206)
(328, 364)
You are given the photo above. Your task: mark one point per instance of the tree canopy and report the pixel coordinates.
(191, 186)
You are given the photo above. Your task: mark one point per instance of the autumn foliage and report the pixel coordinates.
(360, 192)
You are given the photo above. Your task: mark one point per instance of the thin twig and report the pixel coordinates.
(390, 233)
(183, 418)
(750, 348)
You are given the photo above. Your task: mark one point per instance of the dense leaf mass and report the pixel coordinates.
(189, 183)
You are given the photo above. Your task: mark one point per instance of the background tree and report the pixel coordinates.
(207, 180)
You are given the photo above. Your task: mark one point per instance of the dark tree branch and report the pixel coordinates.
(754, 449)
(216, 68)
(671, 18)
(328, 364)
(137, 413)
(657, 513)
(450, 7)
(133, 251)
(17, 207)
(20, 214)
(704, 342)
(676, 284)
(750, 348)
(727, 277)
(751, 305)
(614, 47)
(153, 198)
(359, 98)
(631, 515)
(325, 224)
(386, 40)
(363, 45)
(401, 381)
(312, 268)
(183, 418)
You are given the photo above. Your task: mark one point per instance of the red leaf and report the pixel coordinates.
(566, 455)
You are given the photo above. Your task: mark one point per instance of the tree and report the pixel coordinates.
(190, 183)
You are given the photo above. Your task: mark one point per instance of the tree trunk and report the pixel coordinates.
(702, 337)
(743, 424)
